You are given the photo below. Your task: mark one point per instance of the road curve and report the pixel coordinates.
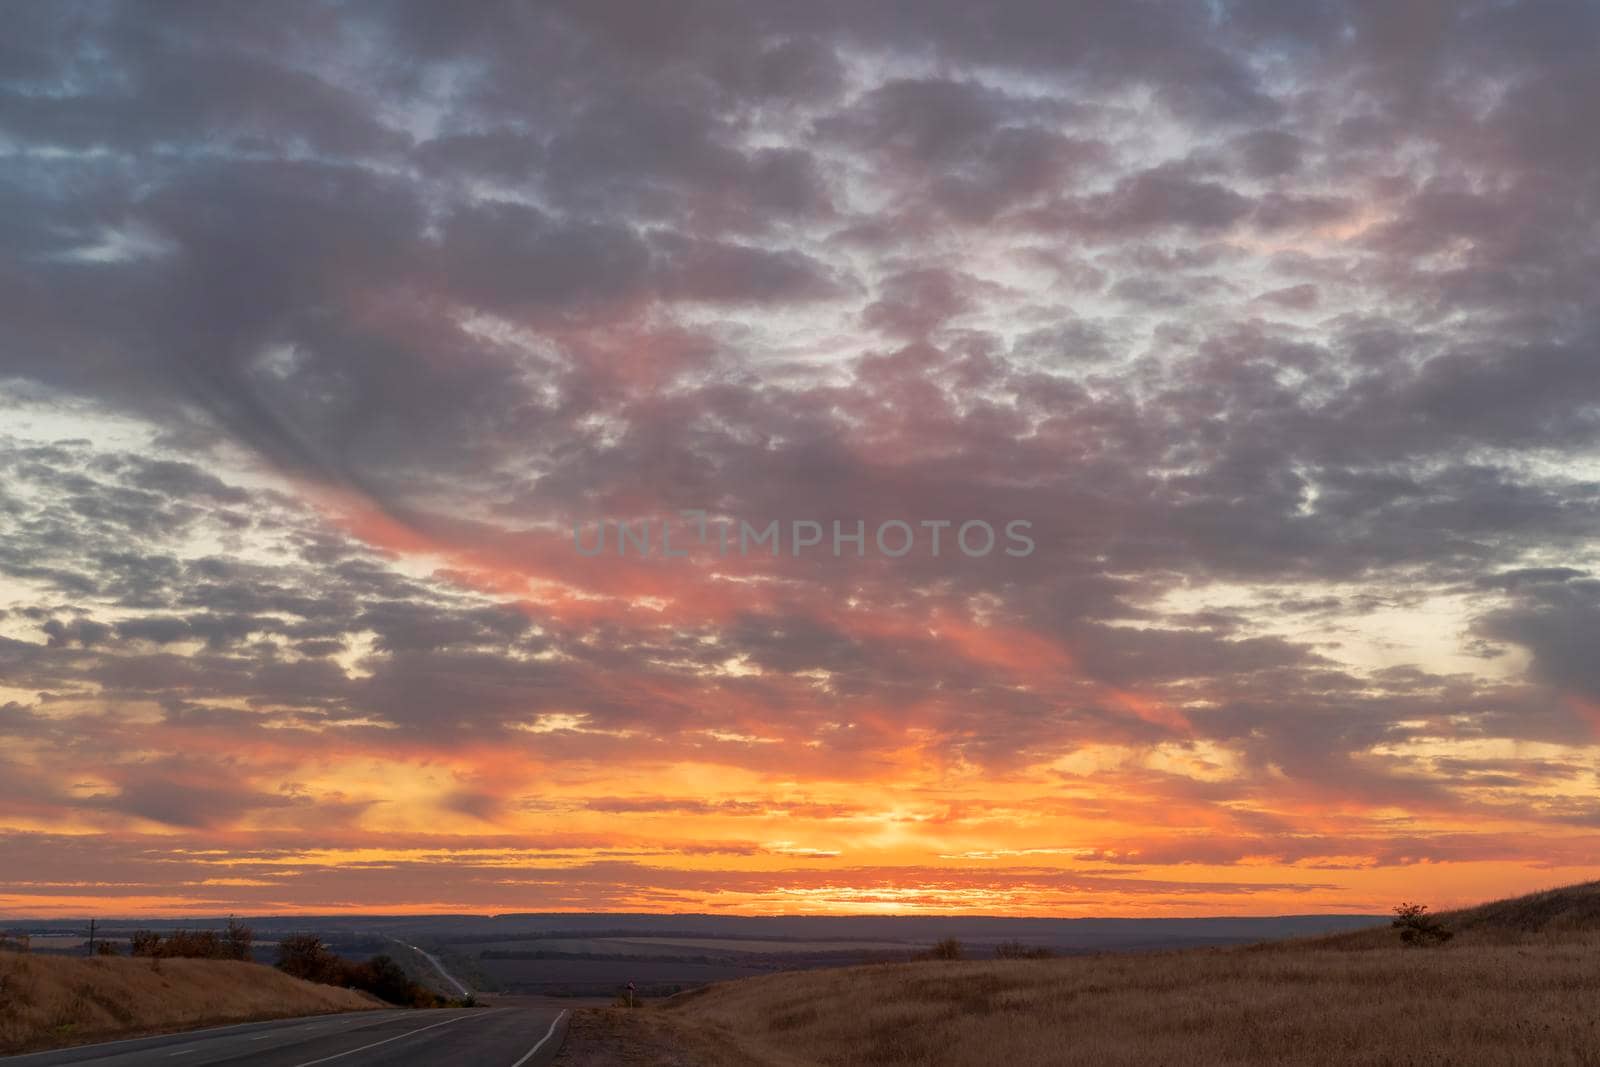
(516, 1032)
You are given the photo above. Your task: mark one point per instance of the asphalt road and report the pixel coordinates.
(514, 1032)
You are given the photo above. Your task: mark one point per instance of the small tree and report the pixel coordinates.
(103, 947)
(305, 956)
(1417, 927)
(946, 949)
(237, 940)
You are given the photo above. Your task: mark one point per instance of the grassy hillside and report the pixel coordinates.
(1553, 914)
(51, 1000)
(1573, 907)
(1517, 986)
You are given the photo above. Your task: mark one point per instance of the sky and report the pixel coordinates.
(332, 334)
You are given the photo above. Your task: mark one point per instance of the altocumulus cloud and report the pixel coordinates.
(322, 325)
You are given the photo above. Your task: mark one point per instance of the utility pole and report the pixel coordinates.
(91, 937)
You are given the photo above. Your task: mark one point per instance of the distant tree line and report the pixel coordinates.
(233, 942)
(1016, 950)
(951, 949)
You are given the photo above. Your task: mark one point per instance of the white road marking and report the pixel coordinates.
(385, 1041)
(529, 1054)
(185, 1052)
(369, 1015)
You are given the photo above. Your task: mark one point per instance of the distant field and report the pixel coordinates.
(745, 945)
(57, 942)
(657, 966)
(682, 946)
(667, 954)
(576, 977)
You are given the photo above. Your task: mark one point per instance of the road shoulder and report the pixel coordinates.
(641, 1037)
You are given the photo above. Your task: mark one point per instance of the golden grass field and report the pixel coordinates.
(47, 1001)
(1520, 986)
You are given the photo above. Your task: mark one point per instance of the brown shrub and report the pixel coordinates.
(1016, 950)
(181, 944)
(1418, 928)
(304, 956)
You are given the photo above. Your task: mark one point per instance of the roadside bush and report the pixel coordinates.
(383, 978)
(305, 956)
(946, 949)
(193, 944)
(184, 944)
(1417, 927)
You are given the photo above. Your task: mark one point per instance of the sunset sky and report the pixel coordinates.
(321, 325)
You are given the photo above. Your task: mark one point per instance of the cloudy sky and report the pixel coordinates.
(321, 325)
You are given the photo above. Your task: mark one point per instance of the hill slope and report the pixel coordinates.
(1573, 907)
(1553, 914)
(1517, 987)
(47, 1001)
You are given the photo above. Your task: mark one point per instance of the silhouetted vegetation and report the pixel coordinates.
(237, 939)
(945, 949)
(385, 979)
(233, 943)
(1016, 950)
(1417, 927)
(305, 956)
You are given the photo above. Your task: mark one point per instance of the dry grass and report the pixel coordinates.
(47, 1001)
(614, 1037)
(1522, 1004)
(1547, 917)
(1518, 985)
